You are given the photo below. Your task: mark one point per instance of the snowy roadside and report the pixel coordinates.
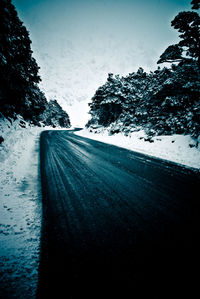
(20, 208)
(180, 149)
(20, 194)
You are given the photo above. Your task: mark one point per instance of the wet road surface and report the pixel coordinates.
(115, 222)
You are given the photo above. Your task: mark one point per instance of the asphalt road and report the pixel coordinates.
(115, 222)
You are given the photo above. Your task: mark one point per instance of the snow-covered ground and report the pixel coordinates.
(177, 148)
(20, 209)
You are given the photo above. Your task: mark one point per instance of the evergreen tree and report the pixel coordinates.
(195, 4)
(54, 115)
(18, 69)
(19, 91)
(188, 25)
(166, 101)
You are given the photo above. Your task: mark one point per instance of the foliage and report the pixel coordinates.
(54, 115)
(165, 101)
(172, 54)
(195, 4)
(188, 25)
(18, 69)
(19, 91)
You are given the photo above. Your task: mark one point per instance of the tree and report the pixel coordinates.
(172, 54)
(54, 115)
(18, 69)
(195, 4)
(188, 25)
(165, 101)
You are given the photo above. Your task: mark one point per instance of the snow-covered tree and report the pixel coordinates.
(18, 68)
(188, 25)
(166, 101)
(19, 90)
(54, 115)
(195, 4)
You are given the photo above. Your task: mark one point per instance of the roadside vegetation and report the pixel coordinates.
(162, 102)
(20, 94)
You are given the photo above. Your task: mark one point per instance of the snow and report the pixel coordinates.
(180, 149)
(20, 209)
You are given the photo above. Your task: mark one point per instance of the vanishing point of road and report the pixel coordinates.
(116, 223)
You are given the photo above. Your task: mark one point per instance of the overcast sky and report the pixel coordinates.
(77, 42)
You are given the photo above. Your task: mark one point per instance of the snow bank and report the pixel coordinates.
(20, 208)
(177, 148)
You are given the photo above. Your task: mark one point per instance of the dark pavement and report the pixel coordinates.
(115, 223)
